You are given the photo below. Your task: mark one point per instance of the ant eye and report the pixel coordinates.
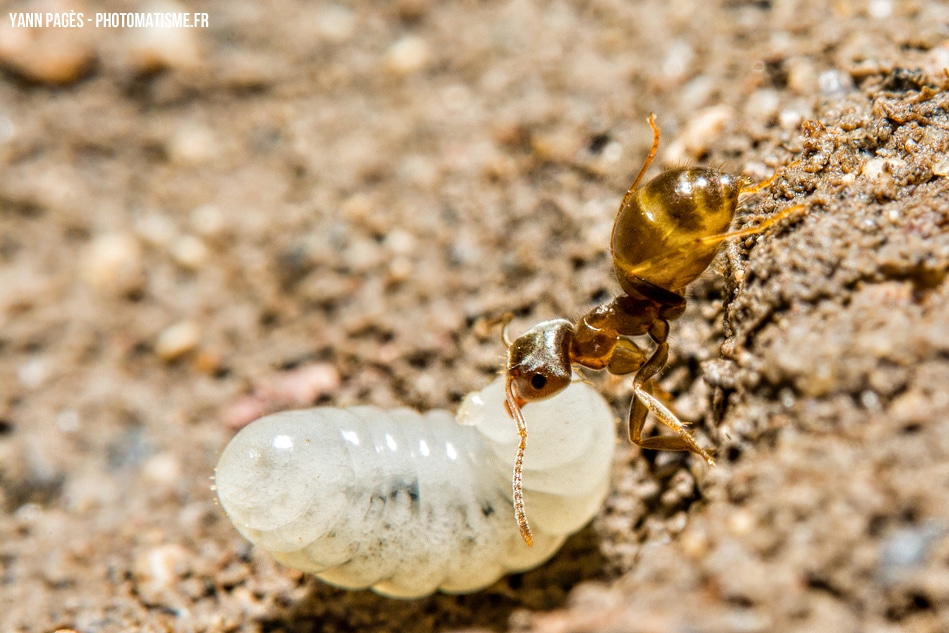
(538, 381)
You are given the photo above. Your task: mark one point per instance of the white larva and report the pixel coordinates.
(408, 503)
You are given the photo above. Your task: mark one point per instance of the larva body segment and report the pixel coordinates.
(408, 503)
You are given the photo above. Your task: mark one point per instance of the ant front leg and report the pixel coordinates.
(645, 402)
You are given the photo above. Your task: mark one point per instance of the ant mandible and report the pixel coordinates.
(665, 235)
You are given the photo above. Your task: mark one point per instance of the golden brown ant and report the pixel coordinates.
(665, 235)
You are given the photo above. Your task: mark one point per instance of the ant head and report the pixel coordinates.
(538, 361)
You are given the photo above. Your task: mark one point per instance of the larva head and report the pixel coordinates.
(538, 361)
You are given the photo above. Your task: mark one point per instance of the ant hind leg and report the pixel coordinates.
(645, 402)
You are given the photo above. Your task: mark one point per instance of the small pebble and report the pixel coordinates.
(763, 104)
(880, 9)
(801, 76)
(336, 23)
(408, 55)
(112, 263)
(906, 550)
(156, 229)
(789, 118)
(51, 55)
(741, 522)
(208, 221)
(698, 134)
(679, 57)
(157, 571)
(304, 384)
(189, 252)
(835, 82)
(941, 168)
(154, 49)
(694, 542)
(163, 469)
(192, 144)
(880, 169)
(934, 62)
(33, 373)
(400, 269)
(68, 421)
(400, 242)
(177, 340)
(299, 387)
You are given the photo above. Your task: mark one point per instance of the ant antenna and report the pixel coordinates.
(520, 514)
(505, 320)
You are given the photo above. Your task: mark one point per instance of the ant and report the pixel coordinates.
(665, 235)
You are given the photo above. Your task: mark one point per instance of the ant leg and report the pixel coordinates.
(754, 230)
(626, 358)
(644, 402)
(648, 161)
(767, 182)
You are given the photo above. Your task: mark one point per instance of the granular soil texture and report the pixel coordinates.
(327, 203)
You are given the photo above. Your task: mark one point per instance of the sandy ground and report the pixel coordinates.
(321, 203)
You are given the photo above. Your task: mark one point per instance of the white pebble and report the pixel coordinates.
(112, 263)
(189, 252)
(156, 229)
(192, 144)
(835, 82)
(157, 570)
(763, 104)
(880, 169)
(699, 133)
(400, 242)
(880, 9)
(801, 75)
(408, 55)
(33, 373)
(163, 469)
(67, 421)
(304, 384)
(160, 48)
(177, 340)
(336, 23)
(790, 118)
(678, 59)
(942, 167)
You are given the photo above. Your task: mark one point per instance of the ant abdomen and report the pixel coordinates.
(658, 232)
